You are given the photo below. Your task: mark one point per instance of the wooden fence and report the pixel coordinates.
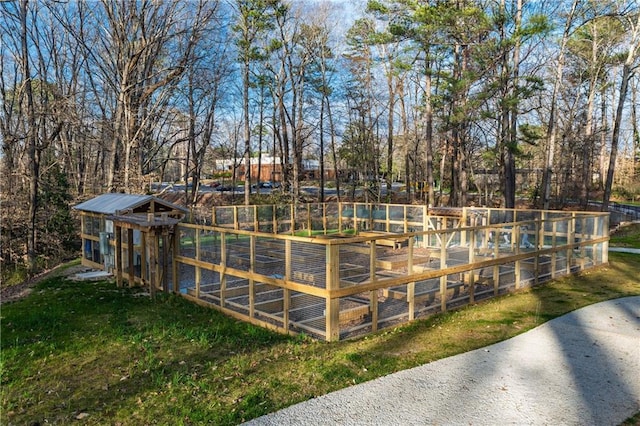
(345, 269)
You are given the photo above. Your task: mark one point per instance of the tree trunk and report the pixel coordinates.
(615, 138)
(552, 126)
(429, 136)
(32, 151)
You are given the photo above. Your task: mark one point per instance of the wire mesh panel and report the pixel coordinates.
(317, 218)
(246, 218)
(331, 213)
(307, 314)
(187, 278)
(267, 218)
(210, 246)
(526, 215)
(308, 263)
(269, 256)
(224, 216)
(283, 219)
(387, 273)
(187, 243)
(392, 307)
(238, 251)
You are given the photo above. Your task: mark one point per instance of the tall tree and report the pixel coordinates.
(316, 40)
(363, 119)
(552, 127)
(592, 52)
(148, 46)
(254, 20)
(632, 22)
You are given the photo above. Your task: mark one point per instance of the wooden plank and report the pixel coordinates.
(332, 305)
(385, 238)
(315, 275)
(259, 260)
(367, 278)
(423, 292)
(346, 314)
(399, 261)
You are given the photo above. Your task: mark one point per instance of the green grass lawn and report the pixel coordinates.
(90, 351)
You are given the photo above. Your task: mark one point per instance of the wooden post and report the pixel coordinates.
(132, 276)
(372, 260)
(256, 221)
(143, 258)
(153, 262)
(356, 224)
(387, 225)
(174, 262)
(252, 264)
(472, 259)
(425, 226)
(496, 268)
(332, 310)
(554, 255)
(374, 310)
(515, 234)
(536, 261)
(198, 273)
(223, 266)
(463, 223)
(443, 279)
(286, 303)
(292, 212)
(118, 255)
(165, 258)
(583, 236)
(406, 225)
(324, 217)
(541, 230)
(411, 287)
(157, 282)
(274, 215)
(605, 233)
(570, 241)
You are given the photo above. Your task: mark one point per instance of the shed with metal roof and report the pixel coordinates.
(97, 224)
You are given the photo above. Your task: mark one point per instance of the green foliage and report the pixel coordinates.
(626, 193)
(531, 134)
(56, 213)
(13, 274)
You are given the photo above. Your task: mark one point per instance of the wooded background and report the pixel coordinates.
(458, 95)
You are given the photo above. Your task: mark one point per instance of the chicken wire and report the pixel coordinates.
(257, 266)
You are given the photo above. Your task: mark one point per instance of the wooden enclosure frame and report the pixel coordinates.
(337, 270)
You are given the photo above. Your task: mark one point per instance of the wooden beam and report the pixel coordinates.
(130, 257)
(174, 264)
(165, 260)
(332, 310)
(118, 255)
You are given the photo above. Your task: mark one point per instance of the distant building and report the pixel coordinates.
(269, 168)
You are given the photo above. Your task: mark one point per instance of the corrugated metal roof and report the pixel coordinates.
(111, 203)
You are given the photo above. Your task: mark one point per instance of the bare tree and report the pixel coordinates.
(633, 24)
(552, 122)
(141, 55)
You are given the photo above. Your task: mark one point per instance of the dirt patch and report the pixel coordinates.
(19, 291)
